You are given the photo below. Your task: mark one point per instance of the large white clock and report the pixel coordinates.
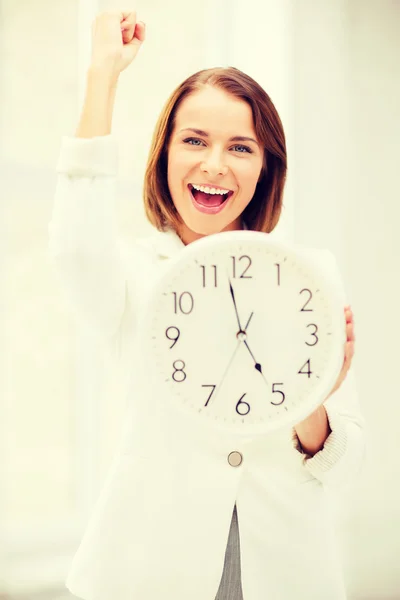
(244, 332)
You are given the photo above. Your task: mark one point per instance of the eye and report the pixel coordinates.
(192, 140)
(245, 148)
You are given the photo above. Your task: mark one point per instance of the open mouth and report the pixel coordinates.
(209, 203)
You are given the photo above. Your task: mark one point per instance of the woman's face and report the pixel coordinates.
(212, 156)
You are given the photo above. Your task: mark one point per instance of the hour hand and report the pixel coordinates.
(257, 365)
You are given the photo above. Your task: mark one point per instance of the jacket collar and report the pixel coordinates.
(167, 244)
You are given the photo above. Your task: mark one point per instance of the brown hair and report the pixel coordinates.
(264, 209)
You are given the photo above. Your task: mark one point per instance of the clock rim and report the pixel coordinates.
(219, 239)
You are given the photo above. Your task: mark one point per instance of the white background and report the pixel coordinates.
(331, 68)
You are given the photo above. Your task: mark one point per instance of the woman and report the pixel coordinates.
(168, 519)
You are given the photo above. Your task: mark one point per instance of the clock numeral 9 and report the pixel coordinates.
(203, 267)
(172, 339)
(314, 334)
(304, 309)
(178, 369)
(243, 275)
(184, 303)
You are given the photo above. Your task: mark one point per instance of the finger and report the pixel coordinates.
(128, 17)
(350, 334)
(140, 31)
(349, 352)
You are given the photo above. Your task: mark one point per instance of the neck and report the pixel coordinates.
(188, 235)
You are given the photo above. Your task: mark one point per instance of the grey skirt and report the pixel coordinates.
(230, 587)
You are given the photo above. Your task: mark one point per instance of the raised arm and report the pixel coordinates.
(83, 236)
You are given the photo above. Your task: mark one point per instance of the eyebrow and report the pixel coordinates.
(236, 138)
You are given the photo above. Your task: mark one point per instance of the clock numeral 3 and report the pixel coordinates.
(182, 377)
(212, 391)
(184, 303)
(203, 267)
(243, 275)
(309, 372)
(314, 334)
(173, 339)
(242, 414)
(304, 309)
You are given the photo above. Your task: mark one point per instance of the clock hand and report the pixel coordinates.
(226, 371)
(248, 322)
(230, 361)
(256, 364)
(234, 303)
(242, 334)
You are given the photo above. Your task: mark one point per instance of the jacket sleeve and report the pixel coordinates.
(342, 457)
(83, 245)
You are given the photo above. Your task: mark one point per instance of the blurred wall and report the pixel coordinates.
(330, 68)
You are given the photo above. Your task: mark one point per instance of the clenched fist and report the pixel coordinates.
(116, 39)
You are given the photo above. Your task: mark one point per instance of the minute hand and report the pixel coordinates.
(234, 303)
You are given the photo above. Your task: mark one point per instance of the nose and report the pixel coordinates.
(214, 165)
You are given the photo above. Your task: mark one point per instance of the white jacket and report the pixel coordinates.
(160, 527)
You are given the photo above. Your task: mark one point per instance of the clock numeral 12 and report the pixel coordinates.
(243, 275)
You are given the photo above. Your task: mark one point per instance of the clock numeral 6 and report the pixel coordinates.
(304, 309)
(172, 339)
(178, 369)
(314, 334)
(309, 372)
(183, 303)
(242, 414)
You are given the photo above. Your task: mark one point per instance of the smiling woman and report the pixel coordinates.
(216, 512)
(232, 173)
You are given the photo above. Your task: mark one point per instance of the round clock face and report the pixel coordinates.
(244, 333)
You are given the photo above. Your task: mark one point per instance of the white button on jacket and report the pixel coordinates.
(160, 526)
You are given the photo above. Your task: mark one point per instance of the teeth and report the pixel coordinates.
(208, 190)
